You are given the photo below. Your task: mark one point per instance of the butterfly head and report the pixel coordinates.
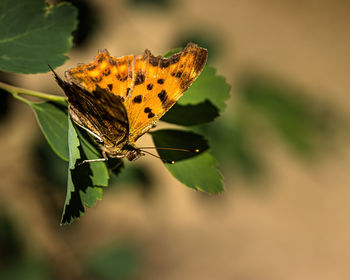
(127, 150)
(132, 153)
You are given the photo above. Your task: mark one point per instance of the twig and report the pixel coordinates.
(16, 91)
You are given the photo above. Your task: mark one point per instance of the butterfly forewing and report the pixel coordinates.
(165, 81)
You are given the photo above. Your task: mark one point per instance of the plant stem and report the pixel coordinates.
(15, 91)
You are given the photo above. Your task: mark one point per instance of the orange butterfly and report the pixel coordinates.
(117, 100)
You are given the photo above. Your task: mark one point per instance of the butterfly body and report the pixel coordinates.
(117, 100)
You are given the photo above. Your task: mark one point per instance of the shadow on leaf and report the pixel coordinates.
(178, 139)
(189, 115)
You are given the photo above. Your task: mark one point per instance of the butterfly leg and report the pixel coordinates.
(92, 160)
(105, 158)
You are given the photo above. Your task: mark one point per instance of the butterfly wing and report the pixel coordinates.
(98, 111)
(147, 85)
(158, 85)
(107, 72)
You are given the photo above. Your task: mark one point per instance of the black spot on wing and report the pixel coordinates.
(163, 97)
(110, 86)
(140, 78)
(160, 81)
(150, 115)
(149, 86)
(137, 99)
(147, 110)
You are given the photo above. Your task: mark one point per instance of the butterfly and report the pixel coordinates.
(117, 100)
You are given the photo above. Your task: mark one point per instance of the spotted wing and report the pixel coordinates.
(98, 111)
(148, 86)
(158, 85)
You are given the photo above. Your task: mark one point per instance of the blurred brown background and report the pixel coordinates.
(283, 215)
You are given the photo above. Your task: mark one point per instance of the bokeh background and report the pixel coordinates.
(282, 145)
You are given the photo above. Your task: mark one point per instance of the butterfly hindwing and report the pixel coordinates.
(98, 111)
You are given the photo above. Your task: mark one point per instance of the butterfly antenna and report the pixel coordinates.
(163, 160)
(173, 149)
(52, 70)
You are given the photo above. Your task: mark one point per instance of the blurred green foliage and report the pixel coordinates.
(117, 261)
(231, 144)
(29, 269)
(305, 124)
(135, 176)
(120, 260)
(302, 122)
(15, 262)
(11, 246)
(204, 38)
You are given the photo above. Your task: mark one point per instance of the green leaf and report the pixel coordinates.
(189, 115)
(34, 34)
(199, 173)
(99, 169)
(178, 139)
(74, 155)
(208, 86)
(195, 170)
(52, 119)
(84, 180)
